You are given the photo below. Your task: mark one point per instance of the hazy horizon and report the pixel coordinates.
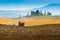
(22, 5)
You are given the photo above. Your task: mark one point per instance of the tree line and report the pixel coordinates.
(37, 12)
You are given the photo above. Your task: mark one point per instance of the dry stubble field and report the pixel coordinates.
(40, 32)
(27, 22)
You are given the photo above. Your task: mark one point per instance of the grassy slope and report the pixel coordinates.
(41, 32)
(32, 20)
(45, 17)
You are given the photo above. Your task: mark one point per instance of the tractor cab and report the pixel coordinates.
(21, 23)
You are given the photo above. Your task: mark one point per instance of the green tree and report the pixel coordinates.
(48, 13)
(40, 13)
(37, 12)
(19, 15)
(28, 14)
(32, 13)
(45, 13)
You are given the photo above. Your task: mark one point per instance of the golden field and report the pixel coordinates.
(28, 22)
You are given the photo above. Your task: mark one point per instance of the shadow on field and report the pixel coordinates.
(40, 32)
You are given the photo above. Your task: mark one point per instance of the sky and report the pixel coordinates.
(24, 4)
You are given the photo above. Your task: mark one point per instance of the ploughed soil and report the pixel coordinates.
(39, 32)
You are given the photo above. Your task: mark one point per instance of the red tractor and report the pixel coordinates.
(21, 23)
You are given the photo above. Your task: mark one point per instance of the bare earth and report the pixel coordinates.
(40, 32)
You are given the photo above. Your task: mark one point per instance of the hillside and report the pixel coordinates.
(41, 17)
(53, 8)
(31, 21)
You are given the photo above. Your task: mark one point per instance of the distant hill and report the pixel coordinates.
(53, 8)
